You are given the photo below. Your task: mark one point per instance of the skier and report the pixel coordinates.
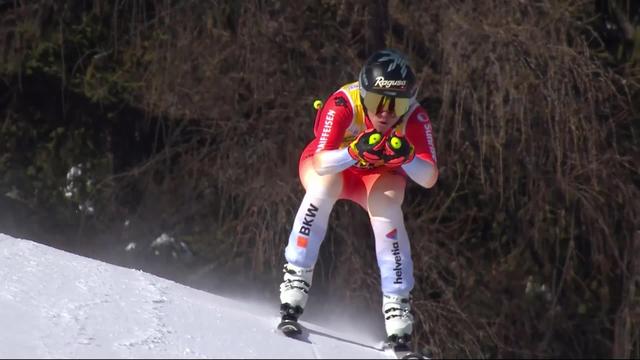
(369, 136)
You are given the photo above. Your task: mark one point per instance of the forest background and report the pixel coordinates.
(122, 120)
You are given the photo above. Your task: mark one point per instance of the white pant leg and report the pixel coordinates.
(384, 202)
(394, 256)
(309, 229)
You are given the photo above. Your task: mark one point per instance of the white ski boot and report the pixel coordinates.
(294, 291)
(398, 320)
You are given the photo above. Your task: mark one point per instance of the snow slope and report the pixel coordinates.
(56, 304)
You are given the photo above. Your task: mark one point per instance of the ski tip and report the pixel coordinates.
(290, 328)
(401, 351)
(414, 355)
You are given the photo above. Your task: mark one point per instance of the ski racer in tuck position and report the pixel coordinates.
(370, 135)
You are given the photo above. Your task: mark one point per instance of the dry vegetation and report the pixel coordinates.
(525, 248)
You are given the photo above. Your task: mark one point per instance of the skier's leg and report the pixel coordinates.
(307, 233)
(393, 251)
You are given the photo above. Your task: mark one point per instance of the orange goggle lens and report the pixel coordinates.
(379, 103)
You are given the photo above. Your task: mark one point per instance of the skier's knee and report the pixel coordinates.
(382, 208)
(385, 198)
(322, 186)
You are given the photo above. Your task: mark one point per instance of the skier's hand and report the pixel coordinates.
(367, 148)
(397, 150)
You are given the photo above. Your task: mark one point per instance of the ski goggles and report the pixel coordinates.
(379, 103)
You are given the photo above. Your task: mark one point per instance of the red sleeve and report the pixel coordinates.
(419, 133)
(332, 121)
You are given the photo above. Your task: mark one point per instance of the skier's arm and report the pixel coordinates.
(331, 123)
(424, 173)
(332, 161)
(366, 149)
(423, 169)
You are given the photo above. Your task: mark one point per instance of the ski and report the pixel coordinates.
(289, 324)
(401, 350)
(290, 328)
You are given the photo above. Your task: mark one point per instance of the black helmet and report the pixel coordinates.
(387, 72)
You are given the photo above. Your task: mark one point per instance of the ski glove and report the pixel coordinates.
(397, 151)
(367, 148)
